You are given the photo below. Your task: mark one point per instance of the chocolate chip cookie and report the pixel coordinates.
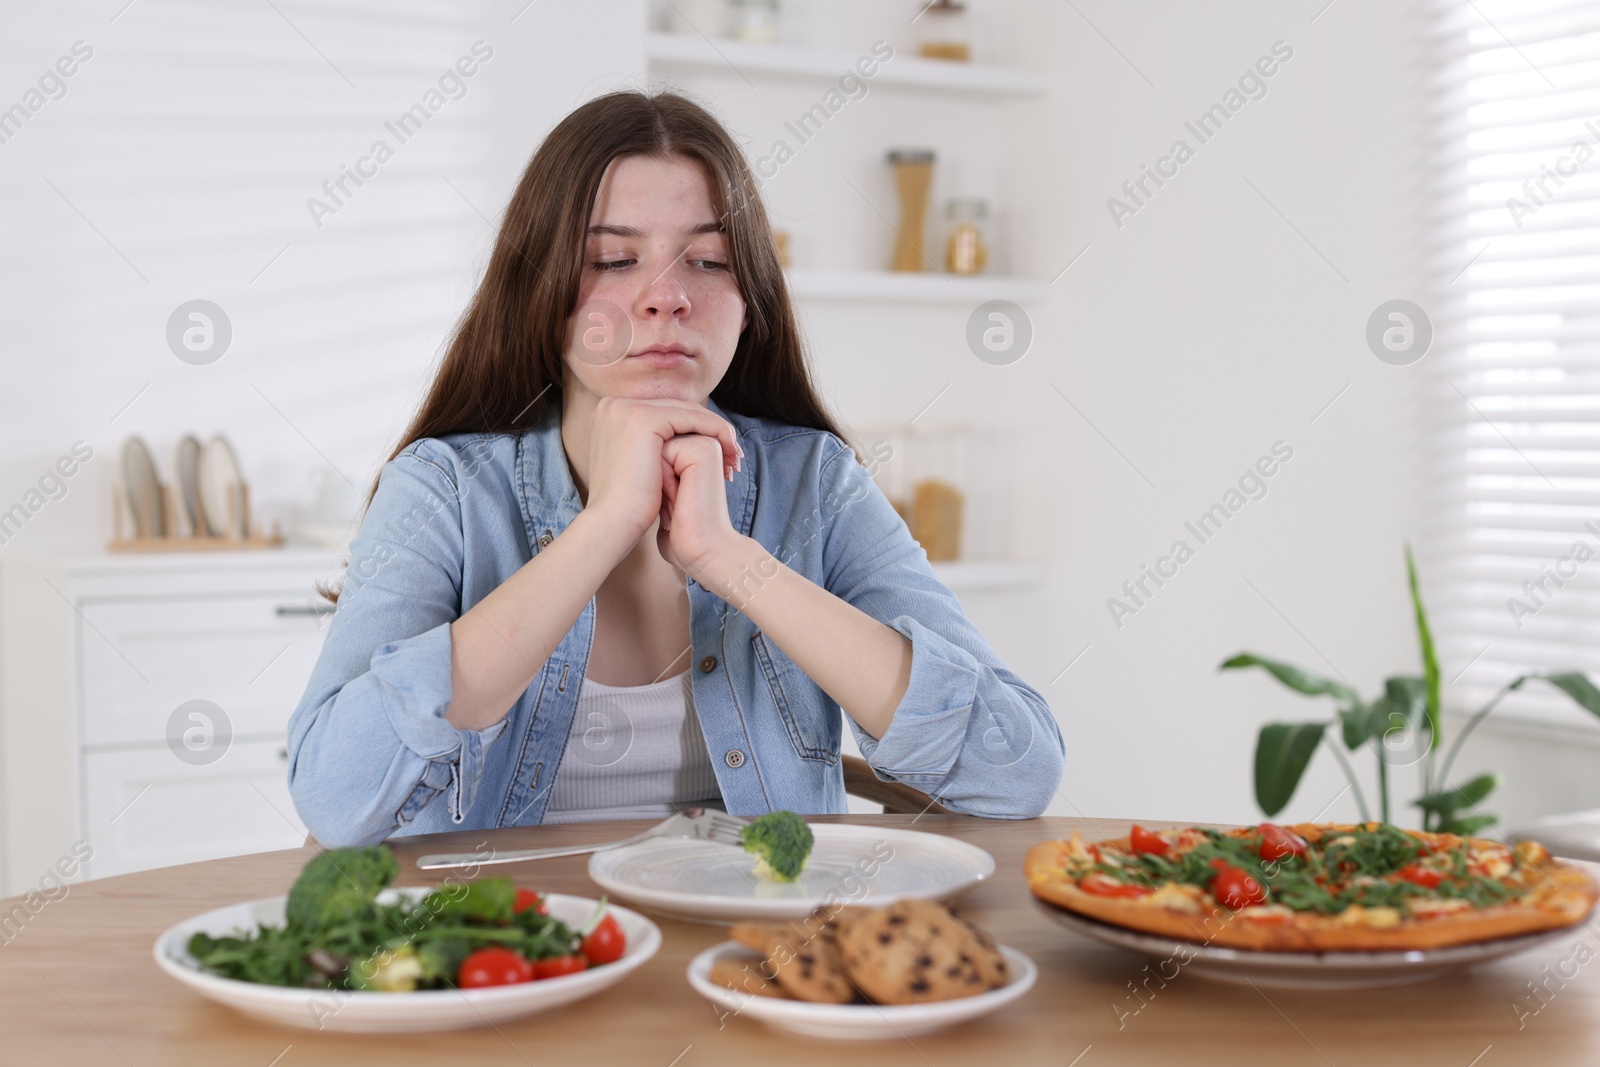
(917, 951)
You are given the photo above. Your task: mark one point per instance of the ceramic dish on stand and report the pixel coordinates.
(191, 519)
(222, 490)
(142, 490)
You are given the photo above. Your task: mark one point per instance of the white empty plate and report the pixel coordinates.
(856, 1022)
(380, 1013)
(707, 882)
(220, 496)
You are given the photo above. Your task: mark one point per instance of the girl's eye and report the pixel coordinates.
(615, 264)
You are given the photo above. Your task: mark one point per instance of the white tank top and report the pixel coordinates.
(634, 751)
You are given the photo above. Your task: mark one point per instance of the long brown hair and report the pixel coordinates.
(503, 368)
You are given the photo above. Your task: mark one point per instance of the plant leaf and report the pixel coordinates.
(1357, 722)
(1293, 677)
(1578, 687)
(1470, 825)
(1282, 752)
(1469, 794)
(1405, 698)
(1430, 658)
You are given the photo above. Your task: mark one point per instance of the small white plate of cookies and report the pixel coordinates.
(908, 968)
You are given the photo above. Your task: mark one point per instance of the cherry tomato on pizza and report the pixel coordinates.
(1234, 888)
(1279, 843)
(1147, 842)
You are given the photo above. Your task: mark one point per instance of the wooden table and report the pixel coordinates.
(78, 987)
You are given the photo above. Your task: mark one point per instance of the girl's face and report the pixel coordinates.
(659, 313)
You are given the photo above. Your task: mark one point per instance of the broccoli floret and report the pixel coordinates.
(781, 841)
(339, 886)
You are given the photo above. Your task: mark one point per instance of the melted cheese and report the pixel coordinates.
(1077, 851)
(1441, 906)
(1496, 862)
(1175, 896)
(1377, 918)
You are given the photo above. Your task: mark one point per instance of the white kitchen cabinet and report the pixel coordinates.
(101, 657)
(145, 809)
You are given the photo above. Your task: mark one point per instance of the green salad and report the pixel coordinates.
(337, 935)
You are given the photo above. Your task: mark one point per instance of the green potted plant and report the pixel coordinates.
(1407, 710)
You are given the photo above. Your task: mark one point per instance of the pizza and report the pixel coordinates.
(1313, 887)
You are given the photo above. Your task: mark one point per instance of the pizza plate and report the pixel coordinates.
(1302, 970)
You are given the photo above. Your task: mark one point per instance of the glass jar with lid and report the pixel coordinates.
(966, 245)
(944, 32)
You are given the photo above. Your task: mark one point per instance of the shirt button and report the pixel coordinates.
(545, 539)
(734, 758)
(708, 665)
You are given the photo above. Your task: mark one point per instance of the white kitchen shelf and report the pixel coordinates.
(692, 50)
(978, 574)
(905, 285)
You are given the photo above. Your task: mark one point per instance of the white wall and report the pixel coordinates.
(1193, 337)
(181, 160)
(1221, 318)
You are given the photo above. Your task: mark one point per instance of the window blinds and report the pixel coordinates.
(1511, 398)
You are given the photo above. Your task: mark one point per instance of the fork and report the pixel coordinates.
(703, 823)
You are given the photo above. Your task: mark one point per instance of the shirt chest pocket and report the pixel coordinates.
(808, 715)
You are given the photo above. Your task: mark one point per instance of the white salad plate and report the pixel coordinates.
(1301, 970)
(702, 881)
(856, 1022)
(391, 1013)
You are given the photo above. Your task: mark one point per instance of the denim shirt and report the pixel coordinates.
(372, 755)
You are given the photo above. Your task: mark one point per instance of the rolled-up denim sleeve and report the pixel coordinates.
(369, 746)
(969, 732)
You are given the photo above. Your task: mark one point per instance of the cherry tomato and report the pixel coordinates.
(1278, 843)
(1235, 889)
(1104, 886)
(1423, 876)
(1146, 842)
(494, 966)
(606, 942)
(527, 898)
(557, 966)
